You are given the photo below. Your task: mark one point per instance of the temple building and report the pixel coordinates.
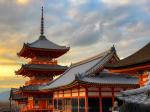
(90, 85)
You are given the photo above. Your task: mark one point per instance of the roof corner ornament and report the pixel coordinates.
(113, 48)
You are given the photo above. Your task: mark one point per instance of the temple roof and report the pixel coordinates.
(44, 43)
(138, 96)
(140, 57)
(109, 78)
(41, 68)
(85, 67)
(86, 72)
(44, 47)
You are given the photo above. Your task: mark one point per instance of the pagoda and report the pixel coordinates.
(43, 65)
(41, 69)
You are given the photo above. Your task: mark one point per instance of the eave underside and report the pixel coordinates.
(140, 57)
(30, 52)
(41, 69)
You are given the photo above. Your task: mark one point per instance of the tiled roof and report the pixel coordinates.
(44, 67)
(140, 57)
(140, 95)
(85, 68)
(44, 43)
(109, 78)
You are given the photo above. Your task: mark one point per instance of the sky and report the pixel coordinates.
(87, 26)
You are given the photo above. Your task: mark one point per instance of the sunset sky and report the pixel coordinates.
(87, 26)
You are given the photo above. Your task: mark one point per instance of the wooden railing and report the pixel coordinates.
(38, 61)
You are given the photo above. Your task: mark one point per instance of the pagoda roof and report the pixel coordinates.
(137, 96)
(44, 46)
(44, 43)
(41, 69)
(140, 57)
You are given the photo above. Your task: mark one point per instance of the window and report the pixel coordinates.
(82, 105)
(75, 105)
(55, 103)
(59, 104)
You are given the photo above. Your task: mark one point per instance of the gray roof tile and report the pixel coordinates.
(139, 95)
(83, 67)
(46, 44)
(108, 78)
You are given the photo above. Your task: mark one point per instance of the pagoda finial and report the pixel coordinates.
(42, 23)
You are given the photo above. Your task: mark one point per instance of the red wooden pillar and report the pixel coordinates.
(78, 99)
(100, 100)
(71, 100)
(86, 100)
(113, 96)
(63, 103)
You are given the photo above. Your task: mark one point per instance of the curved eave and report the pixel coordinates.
(31, 71)
(147, 62)
(30, 52)
(131, 69)
(110, 84)
(79, 82)
(139, 58)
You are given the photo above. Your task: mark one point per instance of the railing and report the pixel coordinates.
(38, 61)
(36, 82)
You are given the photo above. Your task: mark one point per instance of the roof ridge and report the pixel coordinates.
(90, 59)
(103, 58)
(76, 64)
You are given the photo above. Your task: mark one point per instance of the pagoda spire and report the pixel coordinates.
(42, 23)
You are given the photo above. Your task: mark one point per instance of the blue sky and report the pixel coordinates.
(92, 26)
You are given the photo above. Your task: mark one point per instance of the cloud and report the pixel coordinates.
(85, 25)
(78, 2)
(8, 82)
(22, 2)
(114, 3)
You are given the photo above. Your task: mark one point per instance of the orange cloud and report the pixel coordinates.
(23, 2)
(7, 70)
(11, 81)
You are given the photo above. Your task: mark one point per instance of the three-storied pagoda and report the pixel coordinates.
(41, 69)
